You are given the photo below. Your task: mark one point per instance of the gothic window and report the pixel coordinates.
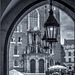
(51, 62)
(32, 66)
(15, 50)
(41, 66)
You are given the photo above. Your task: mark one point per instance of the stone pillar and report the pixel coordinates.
(36, 48)
(4, 54)
(30, 40)
(28, 65)
(28, 21)
(28, 49)
(46, 64)
(36, 44)
(37, 66)
(25, 63)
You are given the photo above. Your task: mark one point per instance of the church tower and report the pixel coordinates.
(30, 55)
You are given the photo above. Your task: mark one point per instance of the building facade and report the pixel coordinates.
(26, 53)
(69, 54)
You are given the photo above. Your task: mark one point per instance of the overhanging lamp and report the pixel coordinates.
(51, 27)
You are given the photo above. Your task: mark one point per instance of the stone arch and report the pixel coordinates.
(41, 66)
(8, 26)
(32, 66)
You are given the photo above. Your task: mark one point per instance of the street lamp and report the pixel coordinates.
(51, 29)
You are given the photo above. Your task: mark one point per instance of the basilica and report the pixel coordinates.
(26, 51)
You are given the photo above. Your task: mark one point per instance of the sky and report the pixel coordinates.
(66, 27)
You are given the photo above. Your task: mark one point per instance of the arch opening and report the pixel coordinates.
(8, 33)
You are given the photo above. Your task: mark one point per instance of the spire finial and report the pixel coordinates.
(51, 11)
(50, 4)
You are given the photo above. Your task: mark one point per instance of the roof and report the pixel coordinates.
(14, 72)
(68, 42)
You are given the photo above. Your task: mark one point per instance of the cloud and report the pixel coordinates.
(66, 26)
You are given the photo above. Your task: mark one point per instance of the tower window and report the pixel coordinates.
(19, 39)
(69, 53)
(69, 59)
(15, 50)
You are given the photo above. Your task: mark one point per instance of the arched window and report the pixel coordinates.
(19, 39)
(32, 66)
(15, 50)
(34, 20)
(41, 66)
(34, 37)
(51, 62)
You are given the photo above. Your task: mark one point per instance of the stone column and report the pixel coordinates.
(46, 64)
(36, 48)
(28, 48)
(28, 21)
(25, 63)
(28, 64)
(36, 44)
(37, 66)
(30, 40)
